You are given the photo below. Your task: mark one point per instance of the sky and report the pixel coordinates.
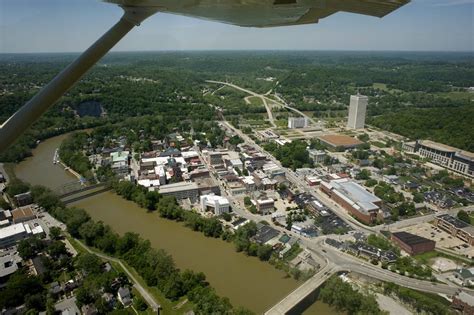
(72, 25)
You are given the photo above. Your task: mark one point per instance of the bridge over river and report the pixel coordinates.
(75, 191)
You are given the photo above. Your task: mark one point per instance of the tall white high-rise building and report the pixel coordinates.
(357, 111)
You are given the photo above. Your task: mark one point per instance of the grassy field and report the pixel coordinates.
(426, 257)
(458, 95)
(255, 101)
(384, 87)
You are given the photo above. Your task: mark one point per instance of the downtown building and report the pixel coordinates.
(216, 204)
(455, 227)
(357, 111)
(297, 122)
(453, 159)
(413, 244)
(362, 204)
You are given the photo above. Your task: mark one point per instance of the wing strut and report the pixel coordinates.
(19, 122)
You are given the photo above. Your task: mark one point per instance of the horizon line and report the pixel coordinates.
(246, 50)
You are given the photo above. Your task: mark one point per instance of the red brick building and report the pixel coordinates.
(413, 244)
(464, 302)
(362, 204)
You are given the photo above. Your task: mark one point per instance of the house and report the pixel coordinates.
(124, 296)
(465, 276)
(55, 289)
(89, 309)
(23, 199)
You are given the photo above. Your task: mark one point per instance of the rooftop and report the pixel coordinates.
(9, 264)
(354, 193)
(466, 298)
(265, 234)
(24, 212)
(12, 230)
(120, 156)
(446, 148)
(457, 223)
(338, 140)
(222, 201)
(170, 188)
(410, 239)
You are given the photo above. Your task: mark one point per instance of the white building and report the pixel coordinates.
(217, 204)
(11, 234)
(297, 122)
(317, 156)
(357, 111)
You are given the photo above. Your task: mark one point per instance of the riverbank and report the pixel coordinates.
(246, 281)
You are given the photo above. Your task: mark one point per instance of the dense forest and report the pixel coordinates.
(171, 85)
(452, 126)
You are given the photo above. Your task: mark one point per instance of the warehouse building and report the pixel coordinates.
(354, 198)
(413, 244)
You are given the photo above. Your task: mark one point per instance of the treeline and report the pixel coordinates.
(70, 153)
(156, 267)
(168, 208)
(344, 298)
(421, 302)
(451, 126)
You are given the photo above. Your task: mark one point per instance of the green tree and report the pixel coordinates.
(89, 263)
(464, 216)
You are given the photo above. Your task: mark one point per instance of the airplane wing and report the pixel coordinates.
(267, 13)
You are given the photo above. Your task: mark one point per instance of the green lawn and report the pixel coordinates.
(378, 144)
(255, 101)
(426, 257)
(384, 87)
(458, 95)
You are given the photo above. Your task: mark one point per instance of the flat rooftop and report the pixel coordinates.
(411, 239)
(338, 140)
(457, 223)
(12, 230)
(446, 148)
(182, 186)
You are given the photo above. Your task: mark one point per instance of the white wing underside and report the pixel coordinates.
(267, 13)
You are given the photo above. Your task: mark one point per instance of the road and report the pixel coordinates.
(303, 186)
(143, 292)
(264, 97)
(295, 297)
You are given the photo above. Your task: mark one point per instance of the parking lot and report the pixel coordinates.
(442, 238)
